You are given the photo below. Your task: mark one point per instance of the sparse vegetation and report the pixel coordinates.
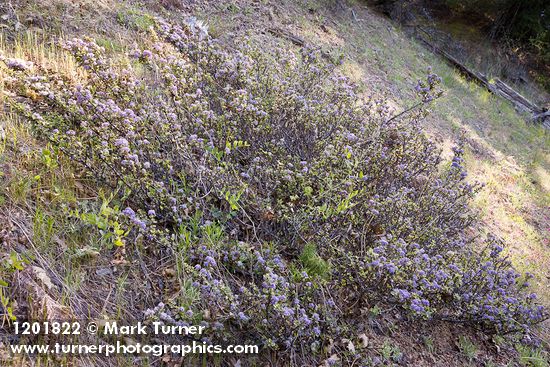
(467, 347)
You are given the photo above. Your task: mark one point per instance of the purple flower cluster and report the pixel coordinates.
(129, 212)
(429, 89)
(272, 305)
(17, 64)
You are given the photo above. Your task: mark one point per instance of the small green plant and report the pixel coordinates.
(429, 343)
(391, 352)
(6, 304)
(49, 158)
(106, 219)
(12, 263)
(233, 199)
(314, 264)
(213, 232)
(43, 226)
(467, 347)
(20, 188)
(3, 141)
(532, 357)
(375, 311)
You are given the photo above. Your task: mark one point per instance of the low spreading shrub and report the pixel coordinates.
(292, 200)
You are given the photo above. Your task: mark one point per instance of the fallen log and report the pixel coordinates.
(498, 87)
(543, 118)
(281, 33)
(278, 32)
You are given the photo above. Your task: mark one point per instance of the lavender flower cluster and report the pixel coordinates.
(429, 89)
(16, 64)
(282, 308)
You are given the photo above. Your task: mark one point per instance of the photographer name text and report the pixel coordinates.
(155, 328)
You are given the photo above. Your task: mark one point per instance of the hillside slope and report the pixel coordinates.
(40, 195)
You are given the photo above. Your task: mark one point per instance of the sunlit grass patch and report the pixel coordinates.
(543, 179)
(130, 17)
(507, 206)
